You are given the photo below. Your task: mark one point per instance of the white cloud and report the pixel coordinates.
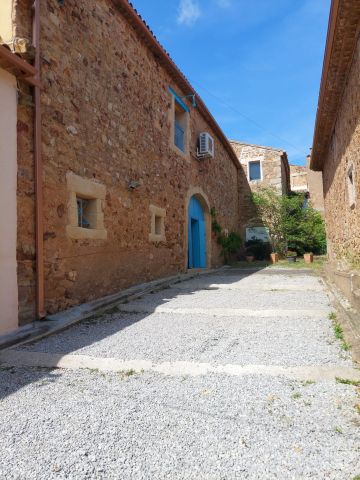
(189, 12)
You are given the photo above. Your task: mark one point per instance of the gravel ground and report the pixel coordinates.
(200, 338)
(90, 425)
(259, 300)
(86, 424)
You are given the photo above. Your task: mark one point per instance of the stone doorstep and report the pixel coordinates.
(62, 320)
(318, 373)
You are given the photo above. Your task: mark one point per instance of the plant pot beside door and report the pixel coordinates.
(249, 258)
(274, 257)
(308, 257)
(291, 256)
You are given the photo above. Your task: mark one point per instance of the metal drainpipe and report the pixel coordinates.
(39, 236)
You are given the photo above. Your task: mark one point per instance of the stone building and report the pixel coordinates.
(299, 179)
(336, 146)
(262, 166)
(113, 186)
(305, 180)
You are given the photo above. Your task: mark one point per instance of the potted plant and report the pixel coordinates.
(309, 257)
(249, 258)
(274, 257)
(291, 256)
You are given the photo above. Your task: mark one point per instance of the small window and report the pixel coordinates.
(254, 171)
(180, 127)
(157, 224)
(85, 208)
(351, 189)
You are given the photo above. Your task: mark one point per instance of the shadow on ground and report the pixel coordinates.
(15, 378)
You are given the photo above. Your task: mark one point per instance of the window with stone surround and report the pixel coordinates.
(157, 224)
(351, 189)
(254, 170)
(180, 124)
(85, 208)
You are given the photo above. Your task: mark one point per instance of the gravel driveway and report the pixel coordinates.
(232, 377)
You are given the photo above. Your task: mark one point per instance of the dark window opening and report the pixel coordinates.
(158, 225)
(83, 206)
(254, 171)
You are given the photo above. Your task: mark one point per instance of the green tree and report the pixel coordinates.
(291, 226)
(270, 211)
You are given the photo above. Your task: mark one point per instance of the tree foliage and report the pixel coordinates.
(290, 225)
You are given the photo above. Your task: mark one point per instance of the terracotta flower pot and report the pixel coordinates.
(274, 257)
(249, 258)
(308, 257)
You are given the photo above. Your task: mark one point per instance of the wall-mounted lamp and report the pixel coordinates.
(133, 184)
(193, 99)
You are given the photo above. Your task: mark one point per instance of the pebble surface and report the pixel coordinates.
(86, 424)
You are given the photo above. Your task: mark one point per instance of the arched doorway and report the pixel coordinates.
(196, 234)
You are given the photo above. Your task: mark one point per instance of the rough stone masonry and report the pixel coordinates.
(107, 120)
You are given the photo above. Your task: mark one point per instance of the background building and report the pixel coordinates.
(261, 166)
(305, 180)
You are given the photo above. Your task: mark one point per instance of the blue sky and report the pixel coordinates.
(257, 65)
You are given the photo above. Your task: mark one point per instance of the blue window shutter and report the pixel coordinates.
(179, 100)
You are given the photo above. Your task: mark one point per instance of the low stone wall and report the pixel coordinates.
(347, 282)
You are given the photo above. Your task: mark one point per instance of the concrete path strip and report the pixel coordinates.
(227, 312)
(75, 362)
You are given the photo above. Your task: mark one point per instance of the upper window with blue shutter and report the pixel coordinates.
(180, 127)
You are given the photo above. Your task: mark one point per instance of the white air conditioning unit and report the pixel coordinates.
(206, 146)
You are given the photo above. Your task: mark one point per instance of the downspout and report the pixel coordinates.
(39, 236)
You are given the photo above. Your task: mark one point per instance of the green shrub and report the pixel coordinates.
(259, 249)
(230, 244)
(290, 225)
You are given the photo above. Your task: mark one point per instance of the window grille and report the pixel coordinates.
(82, 206)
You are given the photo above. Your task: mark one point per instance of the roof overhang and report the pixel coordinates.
(342, 37)
(17, 66)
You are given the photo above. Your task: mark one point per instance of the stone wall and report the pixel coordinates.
(342, 215)
(298, 178)
(316, 188)
(303, 179)
(107, 117)
(275, 174)
(273, 166)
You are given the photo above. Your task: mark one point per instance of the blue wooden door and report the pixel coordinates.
(196, 235)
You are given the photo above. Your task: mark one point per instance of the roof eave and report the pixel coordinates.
(331, 89)
(164, 59)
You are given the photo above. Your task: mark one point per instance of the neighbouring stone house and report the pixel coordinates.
(262, 166)
(111, 187)
(299, 179)
(336, 146)
(305, 180)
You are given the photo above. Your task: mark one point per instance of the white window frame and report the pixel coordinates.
(260, 160)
